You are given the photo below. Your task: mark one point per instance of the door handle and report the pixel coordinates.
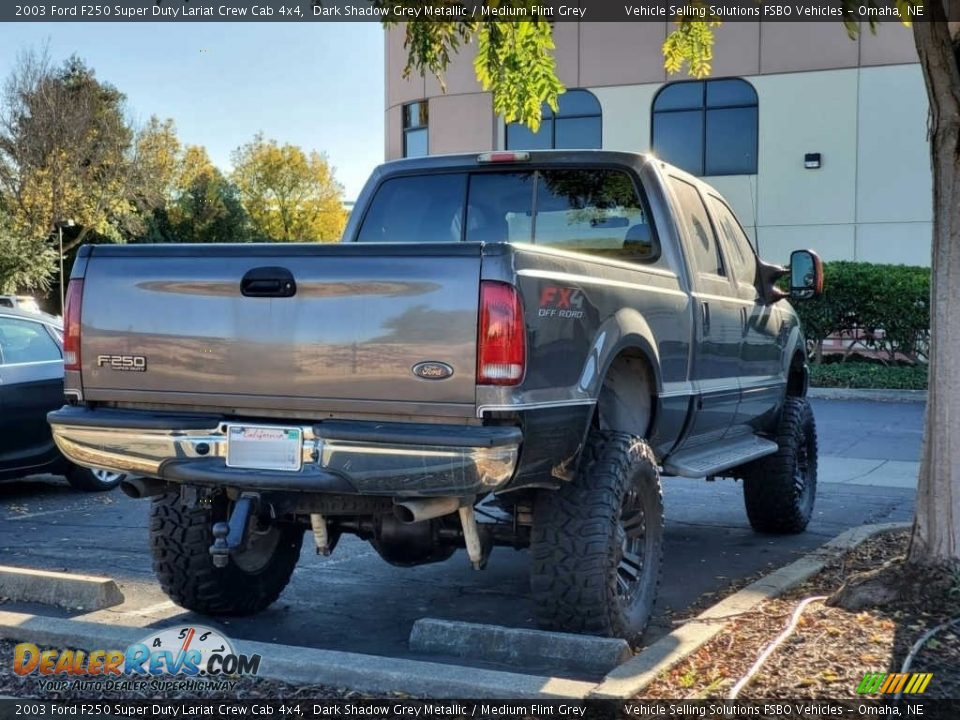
(705, 316)
(268, 282)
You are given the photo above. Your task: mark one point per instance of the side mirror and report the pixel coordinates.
(806, 275)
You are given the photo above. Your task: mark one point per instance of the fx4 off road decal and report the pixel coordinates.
(560, 302)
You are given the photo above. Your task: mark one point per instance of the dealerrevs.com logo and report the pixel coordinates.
(181, 658)
(892, 683)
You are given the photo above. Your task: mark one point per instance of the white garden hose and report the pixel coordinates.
(768, 651)
(919, 644)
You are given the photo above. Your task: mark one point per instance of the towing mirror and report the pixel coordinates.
(806, 275)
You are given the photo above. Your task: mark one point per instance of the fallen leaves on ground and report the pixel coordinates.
(831, 648)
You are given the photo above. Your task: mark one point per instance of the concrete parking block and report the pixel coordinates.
(518, 646)
(372, 674)
(66, 590)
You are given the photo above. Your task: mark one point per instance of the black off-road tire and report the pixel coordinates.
(779, 490)
(180, 538)
(577, 541)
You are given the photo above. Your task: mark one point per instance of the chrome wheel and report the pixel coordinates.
(107, 477)
(631, 532)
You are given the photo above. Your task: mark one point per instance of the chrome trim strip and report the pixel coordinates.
(569, 277)
(557, 252)
(723, 298)
(481, 409)
(35, 362)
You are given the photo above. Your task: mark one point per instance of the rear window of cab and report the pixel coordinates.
(595, 211)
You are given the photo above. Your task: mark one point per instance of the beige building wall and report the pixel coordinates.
(860, 104)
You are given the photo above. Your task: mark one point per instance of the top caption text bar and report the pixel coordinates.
(447, 10)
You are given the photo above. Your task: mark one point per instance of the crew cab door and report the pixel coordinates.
(718, 315)
(762, 376)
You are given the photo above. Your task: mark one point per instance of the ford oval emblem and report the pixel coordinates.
(432, 370)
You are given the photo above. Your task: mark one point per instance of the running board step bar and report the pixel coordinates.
(705, 461)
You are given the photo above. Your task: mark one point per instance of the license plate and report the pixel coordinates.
(264, 447)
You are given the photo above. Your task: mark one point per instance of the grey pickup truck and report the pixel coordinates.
(507, 349)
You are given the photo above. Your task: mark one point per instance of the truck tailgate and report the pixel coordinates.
(361, 318)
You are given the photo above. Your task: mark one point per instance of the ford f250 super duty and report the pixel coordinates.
(507, 349)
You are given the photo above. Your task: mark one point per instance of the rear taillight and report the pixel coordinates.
(502, 345)
(71, 325)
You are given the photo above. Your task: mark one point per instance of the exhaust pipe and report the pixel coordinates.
(411, 511)
(138, 487)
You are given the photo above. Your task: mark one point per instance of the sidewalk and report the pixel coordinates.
(862, 471)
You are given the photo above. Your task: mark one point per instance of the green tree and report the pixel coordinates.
(206, 206)
(64, 150)
(529, 80)
(289, 195)
(26, 263)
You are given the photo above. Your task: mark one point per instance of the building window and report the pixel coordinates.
(707, 127)
(575, 125)
(415, 129)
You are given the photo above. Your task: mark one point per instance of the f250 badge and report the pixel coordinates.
(561, 302)
(123, 363)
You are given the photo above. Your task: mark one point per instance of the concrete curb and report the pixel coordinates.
(66, 590)
(629, 679)
(868, 395)
(518, 646)
(286, 663)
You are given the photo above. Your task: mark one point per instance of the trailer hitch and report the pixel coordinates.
(230, 535)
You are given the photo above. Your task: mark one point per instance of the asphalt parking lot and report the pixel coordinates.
(354, 601)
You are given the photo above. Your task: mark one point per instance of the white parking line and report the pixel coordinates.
(152, 609)
(27, 516)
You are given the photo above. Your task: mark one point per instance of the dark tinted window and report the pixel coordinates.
(731, 141)
(23, 341)
(422, 208)
(582, 132)
(499, 207)
(520, 137)
(700, 238)
(415, 132)
(680, 139)
(680, 96)
(595, 211)
(576, 124)
(707, 127)
(743, 261)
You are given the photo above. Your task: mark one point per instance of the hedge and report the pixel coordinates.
(869, 375)
(882, 307)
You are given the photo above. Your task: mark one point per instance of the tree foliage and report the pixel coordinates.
(206, 206)
(26, 263)
(64, 150)
(514, 60)
(289, 194)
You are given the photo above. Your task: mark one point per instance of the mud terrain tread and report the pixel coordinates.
(180, 539)
(573, 562)
(772, 501)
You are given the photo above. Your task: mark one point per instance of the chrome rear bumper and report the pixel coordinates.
(367, 458)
